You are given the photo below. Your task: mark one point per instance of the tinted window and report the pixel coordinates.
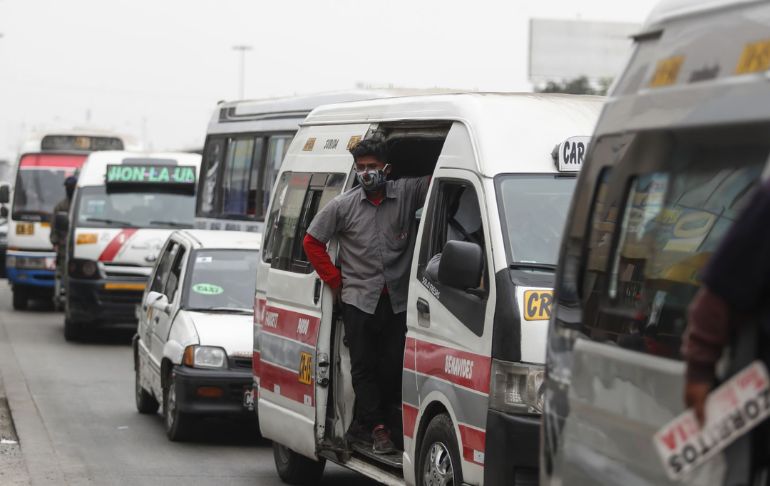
(164, 266)
(174, 275)
(272, 220)
(221, 279)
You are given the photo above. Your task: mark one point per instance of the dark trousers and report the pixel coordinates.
(376, 344)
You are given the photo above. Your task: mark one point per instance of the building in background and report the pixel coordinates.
(577, 56)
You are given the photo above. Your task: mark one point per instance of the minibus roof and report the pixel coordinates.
(512, 132)
(694, 63)
(286, 113)
(95, 167)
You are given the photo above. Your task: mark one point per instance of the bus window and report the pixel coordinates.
(212, 161)
(237, 171)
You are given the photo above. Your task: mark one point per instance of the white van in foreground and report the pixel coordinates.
(503, 171)
(676, 156)
(125, 206)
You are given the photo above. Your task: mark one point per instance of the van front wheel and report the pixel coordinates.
(296, 469)
(439, 460)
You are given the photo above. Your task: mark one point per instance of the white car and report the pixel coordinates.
(193, 347)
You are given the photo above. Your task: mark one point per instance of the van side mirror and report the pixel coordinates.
(5, 194)
(158, 301)
(61, 221)
(462, 264)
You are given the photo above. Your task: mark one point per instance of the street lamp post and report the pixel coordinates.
(242, 49)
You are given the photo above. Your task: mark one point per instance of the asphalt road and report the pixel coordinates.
(74, 413)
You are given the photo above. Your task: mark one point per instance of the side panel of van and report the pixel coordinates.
(294, 312)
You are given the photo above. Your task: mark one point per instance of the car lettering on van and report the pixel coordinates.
(271, 319)
(537, 305)
(460, 367)
(303, 324)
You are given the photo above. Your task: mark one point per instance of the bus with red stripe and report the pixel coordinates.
(45, 161)
(503, 168)
(125, 206)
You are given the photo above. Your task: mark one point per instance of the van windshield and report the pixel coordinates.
(533, 211)
(96, 208)
(222, 280)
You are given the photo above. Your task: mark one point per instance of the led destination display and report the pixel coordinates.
(150, 174)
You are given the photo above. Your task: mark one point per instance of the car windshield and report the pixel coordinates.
(221, 279)
(533, 210)
(101, 209)
(37, 191)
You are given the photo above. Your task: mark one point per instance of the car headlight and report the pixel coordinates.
(29, 263)
(81, 268)
(204, 357)
(517, 387)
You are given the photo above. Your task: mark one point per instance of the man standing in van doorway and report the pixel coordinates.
(375, 227)
(736, 288)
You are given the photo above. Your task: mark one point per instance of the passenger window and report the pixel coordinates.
(235, 181)
(305, 195)
(454, 214)
(277, 145)
(272, 220)
(212, 161)
(175, 275)
(164, 266)
(255, 208)
(671, 223)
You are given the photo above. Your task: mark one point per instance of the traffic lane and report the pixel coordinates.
(83, 393)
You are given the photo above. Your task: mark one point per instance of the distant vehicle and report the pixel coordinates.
(192, 350)
(46, 160)
(125, 206)
(245, 144)
(676, 155)
(502, 170)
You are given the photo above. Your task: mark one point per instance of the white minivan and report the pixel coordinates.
(503, 170)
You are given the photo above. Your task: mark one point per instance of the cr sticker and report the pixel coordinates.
(207, 289)
(537, 305)
(305, 368)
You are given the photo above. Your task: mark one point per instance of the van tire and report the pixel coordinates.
(71, 330)
(295, 468)
(20, 299)
(438, 450)
(145, 402)
(178, 424)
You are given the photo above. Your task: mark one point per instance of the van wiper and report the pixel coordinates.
(175, 224)
(545, 267)
(112, 221)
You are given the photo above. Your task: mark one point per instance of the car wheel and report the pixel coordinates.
(145, 402)
(439, 460)
(20, 299)
(71, 329)
(178, 424)
(295, 468)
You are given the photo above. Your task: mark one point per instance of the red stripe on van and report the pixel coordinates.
(458, 367)
(53, 160)
(410, 354)
(117, 242)
(409, 419)
(473, 440)
(287, 381)
(290, 324)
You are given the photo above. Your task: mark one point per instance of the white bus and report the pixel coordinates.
(45, 161)
(245, 144)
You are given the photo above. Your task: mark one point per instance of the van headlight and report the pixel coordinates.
(517, 387)
(204, 357)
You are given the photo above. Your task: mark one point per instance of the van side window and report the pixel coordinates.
(277, 145)
(305, 194)
(671, 223)
(454, 214)
(164, 266)
(174, 276)
(210, 167)
(272, 220)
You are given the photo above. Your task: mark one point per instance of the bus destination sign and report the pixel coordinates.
(150, 174)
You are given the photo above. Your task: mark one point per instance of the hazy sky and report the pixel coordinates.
(156, 68)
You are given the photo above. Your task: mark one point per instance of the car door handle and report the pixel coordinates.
(317, 291)
(422, 306)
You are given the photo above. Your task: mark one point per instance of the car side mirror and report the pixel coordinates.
(61, 221)
(5, 194)
(158, 301)
(461, 266)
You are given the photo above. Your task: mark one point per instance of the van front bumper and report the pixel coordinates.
(31, 269)
(512, 449)
(107, 301)
(192, 383)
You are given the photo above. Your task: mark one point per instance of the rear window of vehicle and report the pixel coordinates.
(221, 279)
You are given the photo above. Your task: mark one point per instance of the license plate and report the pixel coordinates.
(248, 398)
(26, 229)
(734, 408)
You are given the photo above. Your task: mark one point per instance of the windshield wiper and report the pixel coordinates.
(234, 310)
(545, 267)
(112, 221)
(172, 223)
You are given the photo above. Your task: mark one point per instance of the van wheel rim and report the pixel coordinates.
(438, 470)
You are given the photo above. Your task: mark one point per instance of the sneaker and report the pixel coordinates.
(381, 443)
(358, 434)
